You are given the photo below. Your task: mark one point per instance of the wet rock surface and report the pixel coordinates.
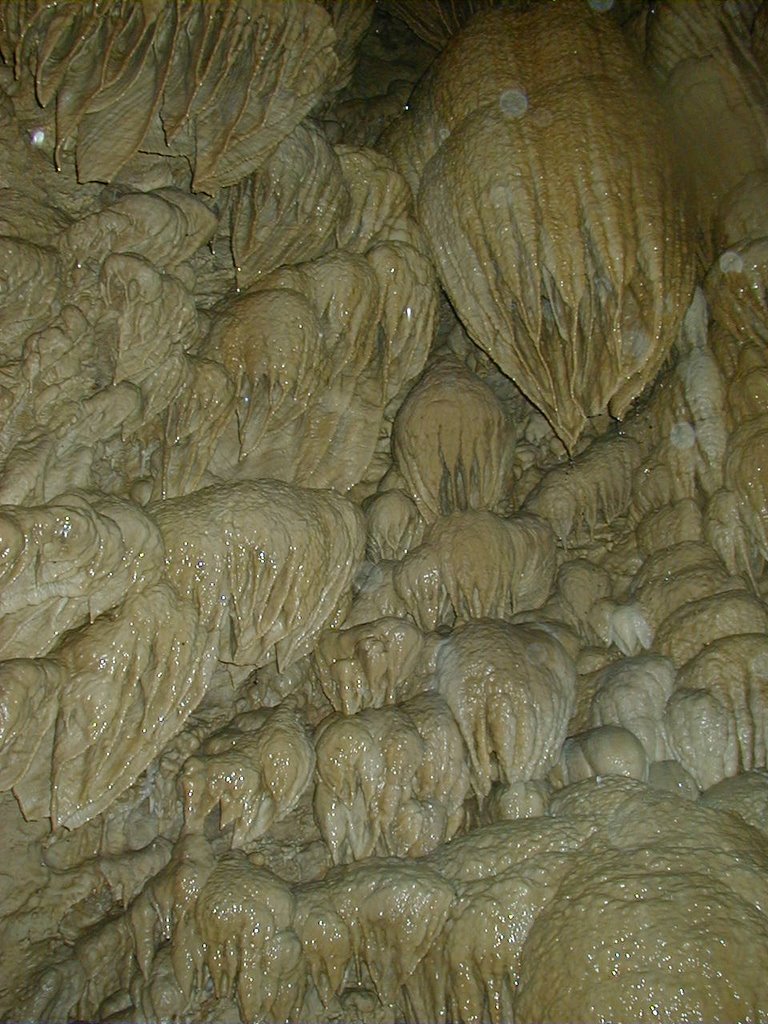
(383, 527)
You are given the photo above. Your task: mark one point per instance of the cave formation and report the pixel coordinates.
(383, 624)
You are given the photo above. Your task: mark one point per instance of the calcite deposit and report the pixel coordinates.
(383, 511)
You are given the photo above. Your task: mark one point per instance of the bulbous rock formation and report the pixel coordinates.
(158, 632)
(254, 771)
(511, 689)
(128, 64)
(553, 265)
(371, 665)
(391, 781)
(452, 442)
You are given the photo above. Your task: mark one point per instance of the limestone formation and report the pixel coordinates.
(383, 511)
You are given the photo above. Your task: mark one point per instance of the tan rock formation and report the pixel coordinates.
(300, 587)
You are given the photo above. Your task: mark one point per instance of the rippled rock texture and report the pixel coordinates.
(383, 446)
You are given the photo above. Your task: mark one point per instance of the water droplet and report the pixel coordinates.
(730, 262)
(682, 436)
(37, 137)
(513, 102)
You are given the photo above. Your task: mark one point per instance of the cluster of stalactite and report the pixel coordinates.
(383, 437)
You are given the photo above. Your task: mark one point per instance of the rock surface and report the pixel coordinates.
(383, 531)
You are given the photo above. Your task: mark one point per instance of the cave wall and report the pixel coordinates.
(383, 525)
